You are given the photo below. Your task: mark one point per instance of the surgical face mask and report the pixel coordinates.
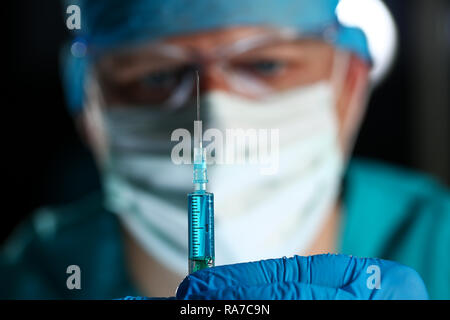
(257, 215)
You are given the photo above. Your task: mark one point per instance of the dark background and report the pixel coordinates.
(46, 163)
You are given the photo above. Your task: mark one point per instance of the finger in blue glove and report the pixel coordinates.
(320, 277)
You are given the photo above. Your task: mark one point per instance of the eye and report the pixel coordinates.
(266, 67)
(160, 79)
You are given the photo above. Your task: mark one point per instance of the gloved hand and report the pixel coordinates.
(314, 277)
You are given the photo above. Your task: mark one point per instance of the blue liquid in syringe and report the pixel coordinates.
(201, 231)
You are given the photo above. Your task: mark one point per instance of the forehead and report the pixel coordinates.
(216, 37)
(208, 40)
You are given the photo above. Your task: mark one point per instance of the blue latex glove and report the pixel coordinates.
(314, 277)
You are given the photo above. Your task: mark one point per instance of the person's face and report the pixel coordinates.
(147, 77)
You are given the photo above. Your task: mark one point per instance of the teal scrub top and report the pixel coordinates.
(388, 213)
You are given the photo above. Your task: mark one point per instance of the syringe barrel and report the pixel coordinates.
(201, 230)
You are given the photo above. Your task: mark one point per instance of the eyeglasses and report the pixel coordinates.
(163, 74)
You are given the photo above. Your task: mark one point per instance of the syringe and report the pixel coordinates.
(200, 206)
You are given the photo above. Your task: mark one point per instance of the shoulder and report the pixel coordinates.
(48, 224)
(400, 215)
(400, 181)
(381, 190)
(396, 190)
(36, 256)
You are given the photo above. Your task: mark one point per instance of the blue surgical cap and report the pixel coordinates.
(109, 24)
